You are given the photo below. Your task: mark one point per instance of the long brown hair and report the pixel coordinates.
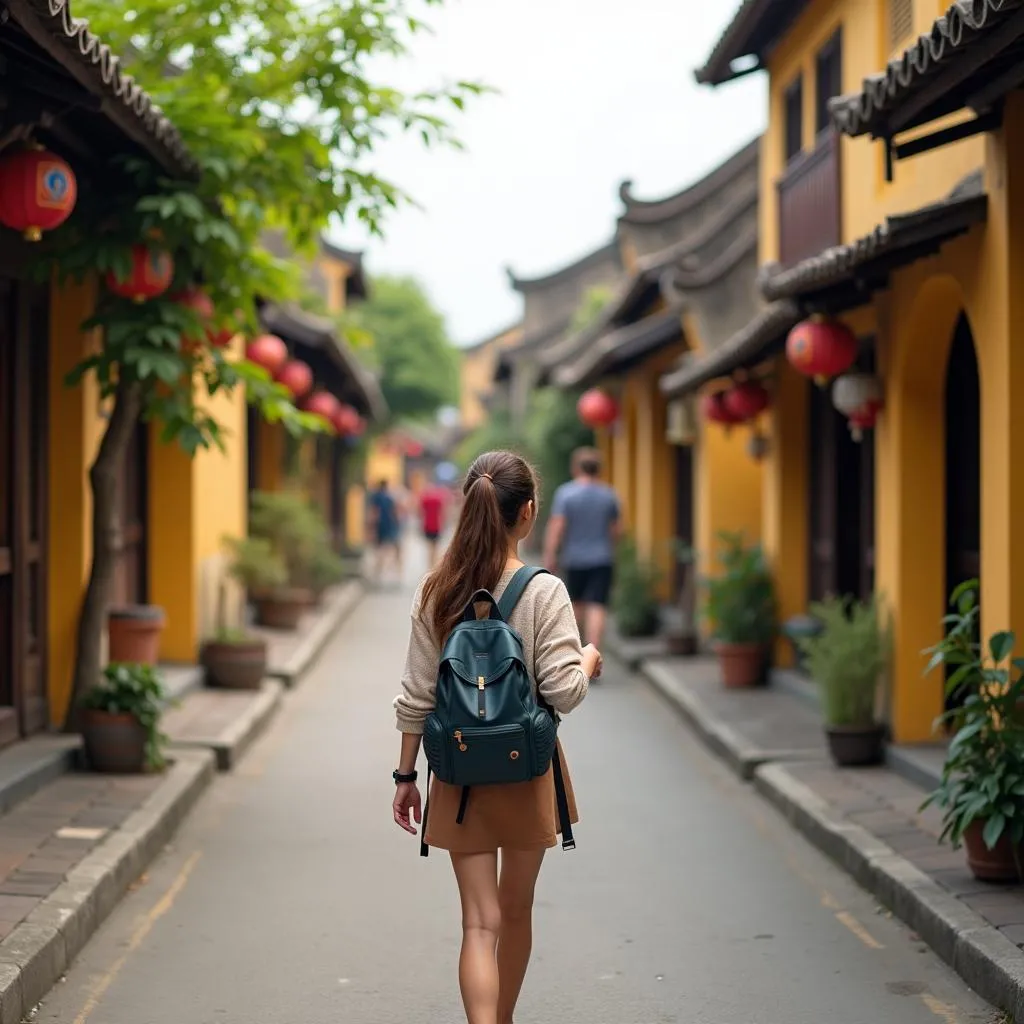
(497, 487)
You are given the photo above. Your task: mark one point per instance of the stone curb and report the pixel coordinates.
(306, 653)
(986, 960)
(230, 746)
(36, 954)
(742, 756)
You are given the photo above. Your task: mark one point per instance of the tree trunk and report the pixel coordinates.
(106, 543)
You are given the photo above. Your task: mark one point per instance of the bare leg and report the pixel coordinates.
(596, 616)
(579, 610)
(477, 875)
(519, 870)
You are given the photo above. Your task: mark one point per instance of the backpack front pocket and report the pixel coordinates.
(488, 756)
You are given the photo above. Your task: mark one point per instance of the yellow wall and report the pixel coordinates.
(867, 198)
(476, 376)
(74, 434)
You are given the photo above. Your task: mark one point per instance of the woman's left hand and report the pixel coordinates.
(406, 805)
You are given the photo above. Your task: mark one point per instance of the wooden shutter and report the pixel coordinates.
(901, 22)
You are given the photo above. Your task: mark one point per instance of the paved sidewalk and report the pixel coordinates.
(868, 820)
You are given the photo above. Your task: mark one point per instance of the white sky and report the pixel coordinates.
(591, 92)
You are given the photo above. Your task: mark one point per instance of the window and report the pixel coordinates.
(901, 22)
(794, 113)
(829, 79)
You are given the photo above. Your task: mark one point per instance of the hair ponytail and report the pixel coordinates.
(497, 487)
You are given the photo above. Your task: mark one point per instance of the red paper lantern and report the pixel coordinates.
(201, 304)
(297, 377)
(714, 409)
(413, 449)
(150, 274)
(324, 405)
(596, 408)
(346, 421)
(860, 398)
(268, 351)
(746, 401)
(821, 349)
(38, 191)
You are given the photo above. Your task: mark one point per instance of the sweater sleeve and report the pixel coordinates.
(557, 653)
(419, 680)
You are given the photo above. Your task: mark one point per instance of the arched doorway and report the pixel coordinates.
(963, 463)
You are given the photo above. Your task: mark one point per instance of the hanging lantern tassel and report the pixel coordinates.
(757, 446)
(859, 397)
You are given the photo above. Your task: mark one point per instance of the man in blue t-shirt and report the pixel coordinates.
(385, 527)
(580, 540)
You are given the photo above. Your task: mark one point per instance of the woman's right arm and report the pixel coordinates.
(419, 679)
(562, 667)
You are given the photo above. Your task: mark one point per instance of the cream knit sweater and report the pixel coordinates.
(551, 642)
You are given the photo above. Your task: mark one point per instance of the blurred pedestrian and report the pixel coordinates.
(434, 501)
(582, 532)
(385, 528)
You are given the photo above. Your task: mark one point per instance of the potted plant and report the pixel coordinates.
(288, 526)
(634, 598)
(681, 637)
(847, 658)
(133, 633)
(325, 568)
(234, 658)
(740, 606)
(121, 720)
(982, 788)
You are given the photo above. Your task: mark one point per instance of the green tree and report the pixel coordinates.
(591, 306)
(278, 105)
(553, 433)
(418, 364)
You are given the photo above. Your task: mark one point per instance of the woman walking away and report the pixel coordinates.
(474, 821)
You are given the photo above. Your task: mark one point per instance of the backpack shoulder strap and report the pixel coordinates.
(516, 586)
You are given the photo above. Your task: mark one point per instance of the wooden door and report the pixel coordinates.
(24, 343)
(684, 508)
(131, 583)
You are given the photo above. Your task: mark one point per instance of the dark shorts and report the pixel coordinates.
(589, 586)
(387, 536)
(431, 535)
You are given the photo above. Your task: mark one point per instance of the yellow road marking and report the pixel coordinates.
(138, 937)
(943, 1011)
(845, 917)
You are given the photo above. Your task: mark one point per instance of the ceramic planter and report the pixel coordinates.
(742, 665)
(113, 743)
(235, 666)
(855, 745)
(282, 609)
(134, 634)
(996, 865)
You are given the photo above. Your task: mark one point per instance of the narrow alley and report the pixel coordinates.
(290, 895)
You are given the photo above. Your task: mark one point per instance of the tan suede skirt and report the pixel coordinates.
(520, 816)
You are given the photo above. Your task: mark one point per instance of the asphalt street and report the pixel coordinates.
(290, 895)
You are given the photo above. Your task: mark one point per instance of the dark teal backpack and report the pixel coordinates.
(487, 726)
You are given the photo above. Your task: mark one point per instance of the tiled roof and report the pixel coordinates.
(758, 340)
(295, 324)
(968, 27)
(608, 253)
(94, 65)
(897, 241)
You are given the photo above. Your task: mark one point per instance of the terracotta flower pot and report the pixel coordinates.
(134, 633)
(235, 666)
(281, 609)
(853, 745)
(113, 742)
(997, 864)
(742, 665)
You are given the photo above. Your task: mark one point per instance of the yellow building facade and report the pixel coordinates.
(913, 246)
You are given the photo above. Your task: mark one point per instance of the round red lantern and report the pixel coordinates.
(746, 401)
(199, 303)
(150, 274)
(413, 449)
(859, 397)
(596, 408)
(714, 409)
(38, 191)
(324, 405)
(821, 349)
(268, 351)
(346, 421)
(296, 376)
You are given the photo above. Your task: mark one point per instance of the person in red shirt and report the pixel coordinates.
(433, 503)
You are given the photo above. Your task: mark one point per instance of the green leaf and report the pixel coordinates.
(993, 830)
(1000, 645)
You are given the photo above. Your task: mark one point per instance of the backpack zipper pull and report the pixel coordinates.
(458, 739)
(482, 701)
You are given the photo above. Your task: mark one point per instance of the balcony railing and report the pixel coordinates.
(809, 202)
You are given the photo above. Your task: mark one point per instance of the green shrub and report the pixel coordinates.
(137, 690)
(634, 598)
(847, 658)
(292, 526)
(740, 601)
(254, 564)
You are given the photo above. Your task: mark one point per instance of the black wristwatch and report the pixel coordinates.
(400, 778)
